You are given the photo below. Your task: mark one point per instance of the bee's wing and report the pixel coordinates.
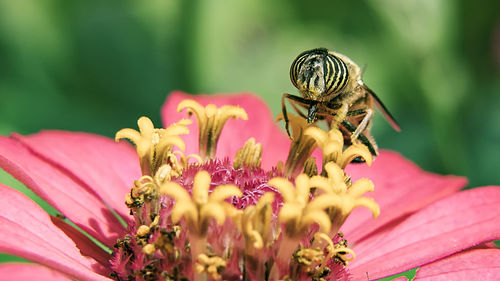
(388, 116)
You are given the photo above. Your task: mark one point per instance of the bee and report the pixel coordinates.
(331, 89)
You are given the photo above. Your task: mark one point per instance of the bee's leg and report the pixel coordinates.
(369, 142)
(297, 110)
(364, 123)
(338, 111)
(285, 114)
(334, 113)
(341, 114)
(294, 101)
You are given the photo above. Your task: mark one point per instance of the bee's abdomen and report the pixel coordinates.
(319, 72)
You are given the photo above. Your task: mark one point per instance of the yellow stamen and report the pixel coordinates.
(310, 167)
(185, 159)
(270, 249)
(297, 212)
(143, 187)
(308, 256)
(301, 147)
(256, 222)
(165, 173)
(141, 192)
(211, 120)
(249, 155)
(199, 208)
(339, 251)
(211, 265)
(149, 249)
(343, 254)
(143, 230)
(322, 237)
(154, 145)
(332, 145)
(155, 222)
(346, 197)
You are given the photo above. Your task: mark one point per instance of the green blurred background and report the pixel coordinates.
(97, 66)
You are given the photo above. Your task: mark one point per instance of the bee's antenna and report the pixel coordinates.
(367, 277)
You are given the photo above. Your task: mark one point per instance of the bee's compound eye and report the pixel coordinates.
(302, 61)
(336, 74)
(319, 71)
(295, 68)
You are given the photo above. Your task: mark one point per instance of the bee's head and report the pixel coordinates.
(319, 74)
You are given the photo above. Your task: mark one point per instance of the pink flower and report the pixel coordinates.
(424, 221)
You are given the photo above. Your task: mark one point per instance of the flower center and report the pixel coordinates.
(217, 219)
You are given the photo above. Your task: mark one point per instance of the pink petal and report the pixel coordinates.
(29, 271)
(401, 188)
(461, 221)
(26, 231)
(86, 246)
(469, 265)
(260, 125)
(104, 166)
(64, 192)
(487, 245)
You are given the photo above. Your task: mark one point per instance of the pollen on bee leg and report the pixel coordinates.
(249, 155)
(341, 115)
(211, 120)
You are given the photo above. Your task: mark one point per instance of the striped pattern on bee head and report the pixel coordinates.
(319, 74)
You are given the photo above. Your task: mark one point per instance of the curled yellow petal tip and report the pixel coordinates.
(211, 120)
(154, 145)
